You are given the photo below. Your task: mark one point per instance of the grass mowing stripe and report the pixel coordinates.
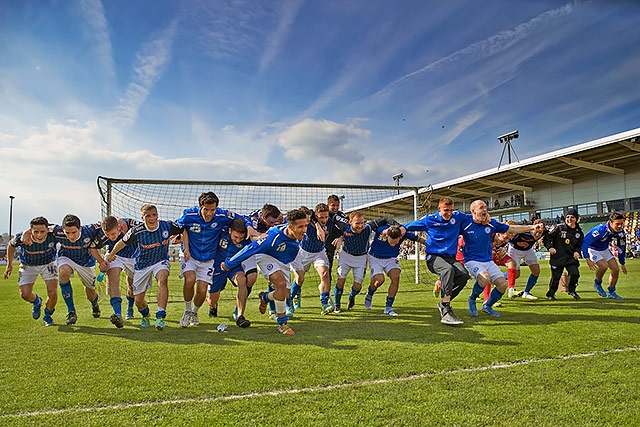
(318, 388)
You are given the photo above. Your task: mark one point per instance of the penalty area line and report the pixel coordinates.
(209, 399)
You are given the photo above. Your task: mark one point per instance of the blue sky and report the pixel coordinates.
(298, 91)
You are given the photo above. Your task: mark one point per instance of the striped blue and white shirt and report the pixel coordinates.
(35, 254)
(152, 246)
(356, 244)
(101, 240)
(77, 251)
(310, 241)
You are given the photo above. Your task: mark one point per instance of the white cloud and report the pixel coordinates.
(323, 140)
(288, 13)
(52, 171)
(97, 31)
(483, 49)
(227, 30)
(149, 66)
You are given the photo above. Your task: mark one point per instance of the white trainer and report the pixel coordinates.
(528, 296)
(194, 321)
(186, 317)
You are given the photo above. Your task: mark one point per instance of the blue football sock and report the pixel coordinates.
(116, 303)
(611, 289)
(506, 275)
(296, 290)
(95, 301)
(389, 303)
(476, 291)
(531, 282)
(371, 291)
(354, 292)
(161, 314)
(144, 311)
(337, 294)
(48, 312)
(67, 296)
(130, 302)
(324, 297)
(249, 289)
(282, 320)
(597, 282)
(494, 296)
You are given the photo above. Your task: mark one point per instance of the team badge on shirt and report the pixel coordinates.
(487, 230)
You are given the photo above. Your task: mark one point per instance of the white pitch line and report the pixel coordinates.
(209, 399)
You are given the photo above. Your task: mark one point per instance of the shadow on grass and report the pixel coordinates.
(350, 329)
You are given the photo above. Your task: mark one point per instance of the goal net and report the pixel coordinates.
(124, 197)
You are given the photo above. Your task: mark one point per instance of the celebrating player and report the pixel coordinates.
(74, 256)
(383, 258)
(478, 238)
(202, 226)
(443, 229)
(111, 230)
(36, 258)
(312, 252)
(232, 239)
(152, 238)
(596, 249)
(274, 254)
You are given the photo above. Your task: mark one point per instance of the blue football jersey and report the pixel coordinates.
(478, 239)
(204, 235)
(442, 235)
(601, 237)
(226, 247)
(276, 244)
(380, 247)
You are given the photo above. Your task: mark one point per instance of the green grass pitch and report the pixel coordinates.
(541, 363)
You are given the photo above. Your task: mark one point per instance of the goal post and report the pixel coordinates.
(124, 197)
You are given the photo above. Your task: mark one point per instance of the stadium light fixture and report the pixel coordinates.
(506, 140)
(397, 177)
